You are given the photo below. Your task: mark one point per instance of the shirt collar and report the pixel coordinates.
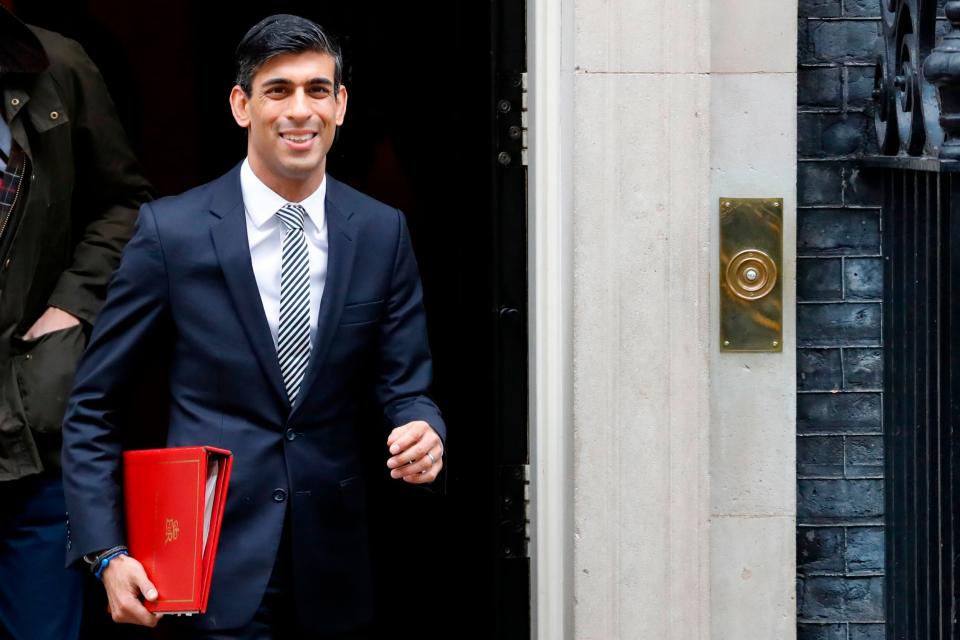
(262, 203)
(6, 142)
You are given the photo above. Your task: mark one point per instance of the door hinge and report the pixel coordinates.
(514, 511)
(523, 118)
(512, 119)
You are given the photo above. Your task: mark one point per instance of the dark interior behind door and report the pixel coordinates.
(435, 103)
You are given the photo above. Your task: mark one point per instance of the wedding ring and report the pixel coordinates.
(432, 459)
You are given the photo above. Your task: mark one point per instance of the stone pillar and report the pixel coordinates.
(684, 459)
(641, 232)
(753, 144)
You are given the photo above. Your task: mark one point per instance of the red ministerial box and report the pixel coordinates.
(174, 501)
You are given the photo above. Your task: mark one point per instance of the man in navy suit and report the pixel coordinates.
(284, 299)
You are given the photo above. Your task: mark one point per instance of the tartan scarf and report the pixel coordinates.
(11, 180)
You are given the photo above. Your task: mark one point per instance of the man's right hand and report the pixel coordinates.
(125, 581)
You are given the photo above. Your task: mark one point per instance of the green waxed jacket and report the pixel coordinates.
(82, 190)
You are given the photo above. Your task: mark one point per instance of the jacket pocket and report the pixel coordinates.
(361, 313)
(44, 371)
(19, 455)
(353, 495)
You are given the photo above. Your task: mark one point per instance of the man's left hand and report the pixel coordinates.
(53, 319)
(417, 453)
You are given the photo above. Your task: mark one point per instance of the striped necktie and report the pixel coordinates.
(293, 342)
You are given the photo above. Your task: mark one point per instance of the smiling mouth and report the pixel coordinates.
(298, 137)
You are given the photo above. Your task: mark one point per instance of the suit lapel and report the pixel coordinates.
(341, 234)
(233, 251)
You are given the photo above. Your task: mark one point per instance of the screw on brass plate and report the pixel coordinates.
(726, 343)
(776, 204)
(776, 343)
(726, 204)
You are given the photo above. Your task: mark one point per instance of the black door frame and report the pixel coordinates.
(509, 216)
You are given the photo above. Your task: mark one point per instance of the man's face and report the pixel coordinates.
(291, 115)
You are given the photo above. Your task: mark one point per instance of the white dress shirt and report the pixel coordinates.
(265, 234)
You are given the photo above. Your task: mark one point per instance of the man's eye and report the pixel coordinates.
(275, 91)
(321, 91)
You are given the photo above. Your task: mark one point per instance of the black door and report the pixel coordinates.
(434, 127)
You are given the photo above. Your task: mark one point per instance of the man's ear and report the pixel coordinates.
(239, 105)
(341, 104)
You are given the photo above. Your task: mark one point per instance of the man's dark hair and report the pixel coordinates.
(284, 33)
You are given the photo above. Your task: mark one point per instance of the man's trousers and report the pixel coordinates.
(39, 598)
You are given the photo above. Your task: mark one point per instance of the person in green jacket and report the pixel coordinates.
(70, 189)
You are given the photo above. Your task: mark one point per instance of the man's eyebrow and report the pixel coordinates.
(285, 81)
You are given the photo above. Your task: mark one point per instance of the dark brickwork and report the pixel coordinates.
(839, 358)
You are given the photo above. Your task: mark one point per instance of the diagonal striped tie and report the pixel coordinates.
(293, 342)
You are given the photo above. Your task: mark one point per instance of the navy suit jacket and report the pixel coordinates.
(186, 284)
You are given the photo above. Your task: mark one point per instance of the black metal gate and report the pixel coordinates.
(917, 86)
(921, 396)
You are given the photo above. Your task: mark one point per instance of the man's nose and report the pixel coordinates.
(298, 107)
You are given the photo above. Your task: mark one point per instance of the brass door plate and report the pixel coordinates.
(751, 274)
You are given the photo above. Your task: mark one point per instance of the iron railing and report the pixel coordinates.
(917, 116)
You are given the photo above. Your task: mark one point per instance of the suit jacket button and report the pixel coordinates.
(279, 495)
(291, 435)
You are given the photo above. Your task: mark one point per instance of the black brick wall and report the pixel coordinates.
(839, 359)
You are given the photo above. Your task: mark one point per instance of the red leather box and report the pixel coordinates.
(167, 495)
